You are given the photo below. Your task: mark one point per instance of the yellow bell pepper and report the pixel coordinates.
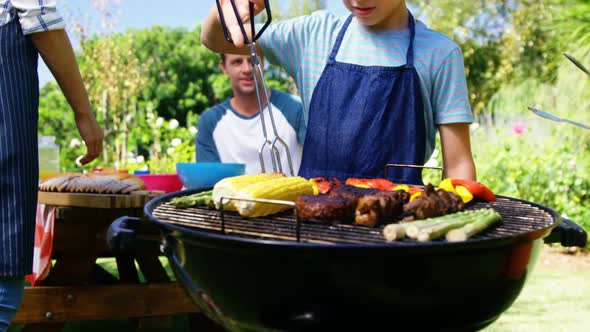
(414, 195)
(401, 187)
(447, 184)
(315, 187)
(465, 195)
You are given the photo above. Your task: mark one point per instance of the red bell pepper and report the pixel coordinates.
(476, 189)
(325, 185)
(382, 184)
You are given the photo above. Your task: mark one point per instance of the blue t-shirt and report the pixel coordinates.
(227, 136)
(302, 46)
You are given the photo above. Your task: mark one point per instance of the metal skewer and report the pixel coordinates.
(577, 63)
(556, 118)
(272, 145)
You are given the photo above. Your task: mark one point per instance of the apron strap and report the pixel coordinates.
(336, 47)
(410, 54)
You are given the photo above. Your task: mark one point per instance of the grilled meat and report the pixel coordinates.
(371, 209)
(353, 193)
(324, 208)
(432, 203)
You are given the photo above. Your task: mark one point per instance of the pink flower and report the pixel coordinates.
(518, 128)
(572, 164)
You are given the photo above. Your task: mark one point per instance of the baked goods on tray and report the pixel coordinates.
(93, 183)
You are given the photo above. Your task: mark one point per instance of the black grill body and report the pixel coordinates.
(263, 280)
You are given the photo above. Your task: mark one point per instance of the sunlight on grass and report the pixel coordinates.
(550, 301)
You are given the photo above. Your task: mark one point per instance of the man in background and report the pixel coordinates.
(232, 130)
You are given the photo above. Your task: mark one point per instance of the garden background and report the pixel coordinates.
(149, 86)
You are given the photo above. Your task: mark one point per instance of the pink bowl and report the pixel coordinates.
(166, 182)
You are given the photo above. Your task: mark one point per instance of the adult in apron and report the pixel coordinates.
(362, 118)
(19, 101)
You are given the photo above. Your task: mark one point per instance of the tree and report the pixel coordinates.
(502, 41)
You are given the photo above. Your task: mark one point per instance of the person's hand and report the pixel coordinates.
(92, 135)
(232, 23)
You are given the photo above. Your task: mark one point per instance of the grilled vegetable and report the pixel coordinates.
(229, 187)
(448, 185)
(477, 189)
(458, 226)
(285, 189)
(325, 185)
(204, 198)
(465, 232)
(407, 188)
(382, 184)
(482, 217)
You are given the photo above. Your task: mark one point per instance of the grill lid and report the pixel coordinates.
(519, 218)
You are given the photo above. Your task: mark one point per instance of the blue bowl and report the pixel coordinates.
(200, 175)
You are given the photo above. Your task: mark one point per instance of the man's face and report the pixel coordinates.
(239, 70)
(375, 13)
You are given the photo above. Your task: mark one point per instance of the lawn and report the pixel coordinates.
(551, 301)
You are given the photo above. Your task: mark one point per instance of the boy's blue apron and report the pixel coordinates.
(362, 118)
(19, 101)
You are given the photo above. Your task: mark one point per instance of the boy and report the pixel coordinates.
(376, 86)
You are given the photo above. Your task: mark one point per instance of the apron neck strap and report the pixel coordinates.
(410, 52)
(338, 42)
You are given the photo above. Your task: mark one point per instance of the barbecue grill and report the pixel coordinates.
(276, 273)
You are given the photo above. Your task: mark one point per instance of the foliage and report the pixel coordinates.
(502, 41)
(182, 72)
(55, 115)
(554, 171)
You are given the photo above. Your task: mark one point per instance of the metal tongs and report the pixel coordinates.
(274, 151)
(556, 118)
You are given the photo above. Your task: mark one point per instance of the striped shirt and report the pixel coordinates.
(302, 46)
(34, 15)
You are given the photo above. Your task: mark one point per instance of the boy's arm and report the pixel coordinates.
(456, 150)
(57, 53)
(212, 35)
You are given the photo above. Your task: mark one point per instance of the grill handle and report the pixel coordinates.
(568, 233)
(130, 235)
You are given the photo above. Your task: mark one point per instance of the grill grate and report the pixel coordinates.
(517, 218)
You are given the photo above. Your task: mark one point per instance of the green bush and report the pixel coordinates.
(546, 168)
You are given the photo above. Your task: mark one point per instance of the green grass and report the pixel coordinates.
(551, 301)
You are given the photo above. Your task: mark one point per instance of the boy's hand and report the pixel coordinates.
(230, 17)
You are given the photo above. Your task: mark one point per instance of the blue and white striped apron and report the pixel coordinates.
(19, 102)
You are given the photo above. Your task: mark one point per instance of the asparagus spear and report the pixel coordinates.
(414, 228)
(202, 198)
(436, 231)
(463, 233)
(431, 228)
(394, 232)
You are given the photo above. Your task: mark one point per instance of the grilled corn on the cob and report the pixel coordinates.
(286, 189)
(229, 187)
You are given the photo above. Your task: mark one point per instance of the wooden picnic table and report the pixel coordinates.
(77, 288)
